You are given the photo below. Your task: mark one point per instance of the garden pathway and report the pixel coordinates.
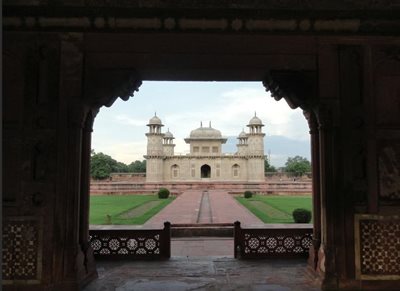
(186, 208)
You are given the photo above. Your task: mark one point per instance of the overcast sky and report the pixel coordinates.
(119, 131)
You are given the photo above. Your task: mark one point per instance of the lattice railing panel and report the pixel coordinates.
(21, 254)
(378, 247)
(276, 242)
(112, 243)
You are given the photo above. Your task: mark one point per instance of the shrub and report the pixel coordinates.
(301, 215)
(163, 193)
(248, 194)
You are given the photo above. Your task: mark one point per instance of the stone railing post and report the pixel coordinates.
(166, 240)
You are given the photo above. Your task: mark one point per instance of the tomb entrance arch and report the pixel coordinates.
(205, 171)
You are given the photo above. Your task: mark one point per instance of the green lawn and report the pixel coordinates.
(125, 209)
(275, 209)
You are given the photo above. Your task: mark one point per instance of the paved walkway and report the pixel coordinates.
(223, 208)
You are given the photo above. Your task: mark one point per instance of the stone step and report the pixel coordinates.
(202, 230)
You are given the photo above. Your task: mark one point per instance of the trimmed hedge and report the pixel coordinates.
(163, 193)
(248, 194)
(301, 215)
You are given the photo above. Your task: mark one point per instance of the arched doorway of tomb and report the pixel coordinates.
(205, 171)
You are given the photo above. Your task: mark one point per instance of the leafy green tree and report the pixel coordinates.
(137, 166)
(297, 165)
(267, 166)
(119, 167)
(101, 165)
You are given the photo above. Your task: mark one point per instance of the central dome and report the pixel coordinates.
(205, 133)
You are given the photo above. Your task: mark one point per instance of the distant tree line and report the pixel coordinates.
(296, 166)
(102, 165)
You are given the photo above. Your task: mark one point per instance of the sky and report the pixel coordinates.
(119, 131)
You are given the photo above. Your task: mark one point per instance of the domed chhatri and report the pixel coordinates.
(255, 121)
(205, 160)
(155, 121)
(243, 134)
(168, 134)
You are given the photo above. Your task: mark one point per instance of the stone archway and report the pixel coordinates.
(336, 69)
(205, 171)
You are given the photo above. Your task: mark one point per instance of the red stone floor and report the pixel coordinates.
(185, 209)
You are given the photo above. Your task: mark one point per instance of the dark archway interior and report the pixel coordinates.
(205, 171)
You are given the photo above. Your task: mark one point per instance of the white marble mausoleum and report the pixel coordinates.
(205, 162)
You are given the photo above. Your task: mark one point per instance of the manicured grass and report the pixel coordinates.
(275, 209)
(114, 206)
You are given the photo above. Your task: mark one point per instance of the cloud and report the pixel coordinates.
(229, 108)
(181, 147)
(236, 107)
(278, 160)
(232, 111)
(124, 119)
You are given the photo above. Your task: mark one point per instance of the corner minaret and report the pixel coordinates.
(155, 150)
(168, 143)
(255, 149)
(242, 143)
(256, 136)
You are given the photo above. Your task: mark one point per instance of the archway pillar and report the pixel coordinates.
(329, 208)
(82, 90)
(316, 191)
(301, 89)
(74, 260)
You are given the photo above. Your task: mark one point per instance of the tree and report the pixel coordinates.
(137, 166)
(102, 165)
(267, 166)
(297, 165)
(119, 167)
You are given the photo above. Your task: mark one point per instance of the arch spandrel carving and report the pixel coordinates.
(104, 86)
(298, 88)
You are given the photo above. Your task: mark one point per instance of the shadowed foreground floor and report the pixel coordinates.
(203, 273)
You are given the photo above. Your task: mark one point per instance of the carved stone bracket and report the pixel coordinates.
(325, 116)
(298, 88)
(311, 120)
(105, 86)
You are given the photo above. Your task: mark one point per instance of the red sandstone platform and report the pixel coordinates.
(185, 209)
